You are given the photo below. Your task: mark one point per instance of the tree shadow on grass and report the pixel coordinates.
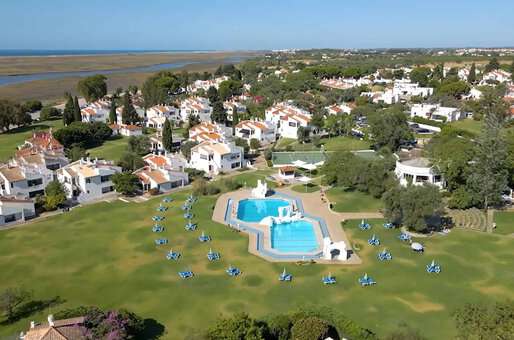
(32, 307)
(152, 330)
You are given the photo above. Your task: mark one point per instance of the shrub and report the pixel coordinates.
(49, 112)
(310, 328)
(153, 191)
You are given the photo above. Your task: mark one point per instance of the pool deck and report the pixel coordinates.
(312, 206)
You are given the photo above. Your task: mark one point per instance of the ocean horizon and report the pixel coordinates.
(83, 52)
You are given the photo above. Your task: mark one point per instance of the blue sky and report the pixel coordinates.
(251, 24)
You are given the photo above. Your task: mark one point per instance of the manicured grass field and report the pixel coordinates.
(353, 201)
(104, 254)
(11, 140)
(310, 187)
(111, 149)
(504, 222)
(341, 143)
(469, 125)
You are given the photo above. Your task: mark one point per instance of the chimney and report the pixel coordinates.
(32, 325)
(51, 320)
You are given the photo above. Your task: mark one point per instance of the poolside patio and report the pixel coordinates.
(259, 235)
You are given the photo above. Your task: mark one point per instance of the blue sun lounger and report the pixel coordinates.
(366, 281)
(185, 274)
(157, 228)
(233, 271)
(161, 208)
(188, 215)
(388, 225)
(285, 277)
(404, 237)
(191, 199)
(384, 255)
(213, 256)
(204, 238)
(364, 225)
(186, 206)
(433, 267)
(172, 255)
(161, 241)
(167, 199)
(190, 226)
(374, 241)
(328, 280)
(157, 218)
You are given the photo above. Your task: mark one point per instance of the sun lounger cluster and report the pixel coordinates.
(433, 267)
(285, 277)
(364, 225)
(167, 199)
(374, 241)
(328, 280)
(233, 271)
(157, 228)
(162, 208)
(213, 256)
(404, 237)
(172, 255)
(190, 226)
(157, 218)
(366, 281)
(388, 225)
(384, 255)
(204, 238)
(185, 274)
(161, 241)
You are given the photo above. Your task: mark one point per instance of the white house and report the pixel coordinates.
(345, 83)
(404, 88)
(157, 115)
(340, 109)
(474, 94)
(417, 171)
(206, 131)
(213, 157)
(436, 112)
(88, 180)
(24, 181)
(169, 161)
(386, 97)
(206, 84)
(13, 209)
(290, 123)
(500, 76)
(161, 179)
(197, 106)
(264, 132)
(96, 112)
(127, 130)
(233, 106)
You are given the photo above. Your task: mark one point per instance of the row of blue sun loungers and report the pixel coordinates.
(157, 228)
(162, 208)
(374, 241)
(364, 225)
(172, 255)
(384, 255)
(188, 215)
(157, 218)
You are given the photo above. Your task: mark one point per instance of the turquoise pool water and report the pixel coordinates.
(294, 237)
(254, 210)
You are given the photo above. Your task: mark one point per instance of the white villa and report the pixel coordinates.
(500, 76)
(386, 97)
(264, 132)
(27, 181)
(343, 108)
(213, 157)
(96, 112)
(232, 106)
(13, 209)
(206, 131)
(406, 88)
(88, 180)
(288, 118)
(417, 171)
(169, 161)
(206, 84)
(345, 83)
(436, 112)
(156, 116)
(161, 179)
(126, 130)
(197, 106)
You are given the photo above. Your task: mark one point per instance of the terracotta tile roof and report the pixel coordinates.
(157, 160)
(12, 174)
(69, 329)
(88, 111)
(44, 141)
(287, 169)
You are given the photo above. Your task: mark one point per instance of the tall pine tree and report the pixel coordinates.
(68, 112)
(128, 114)
(167, 136)
(112, 112)
(472, 76)
(235, 118)
(77, 117)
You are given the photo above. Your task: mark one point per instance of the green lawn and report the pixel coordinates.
(469, 125)
(104, 254)
(504, 222)
(9, 141)
(341, 143)
(111, 149)
(353, 201)
(310, 187)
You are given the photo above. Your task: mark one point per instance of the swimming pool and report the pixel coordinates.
(254, 210)
(294, 237)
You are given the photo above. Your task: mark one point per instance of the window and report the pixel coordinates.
(88, 180)
(104, 179)
(34, 182)
(235, 165)
(107, 189)
(292, 124)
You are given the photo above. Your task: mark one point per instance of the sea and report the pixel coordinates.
(56, 53)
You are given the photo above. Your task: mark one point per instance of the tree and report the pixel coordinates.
(131, 161)
(68, 113)
(492, 65)
(32, 106)
(125, 183)
(49, 112)
(219, 114)
(77, 117)
(310, 328)
(472, 76)
(389, 128)
(185, 149)
(139, 145)
(85, 135)
(167, 136)
(303, 134)
(420, 75)
(55, 195)
(128, 113)
(240, 326)
(415, 206)
(75, 153)
(11, 299)
(21, 117)
(404, 332)
(317, 120)
(455, 89)
(438, 72)
(255, 144)
(7, 112)
(229, 88)
(133, 89)
(478, 321)
(112, 112)
(93, 88)
(490, 170)
(212, 94)
(235, 119)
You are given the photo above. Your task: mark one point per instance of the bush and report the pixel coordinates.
(49, 112)
(32, 106)
(310, 328)
(153, 191)
(212, 189)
